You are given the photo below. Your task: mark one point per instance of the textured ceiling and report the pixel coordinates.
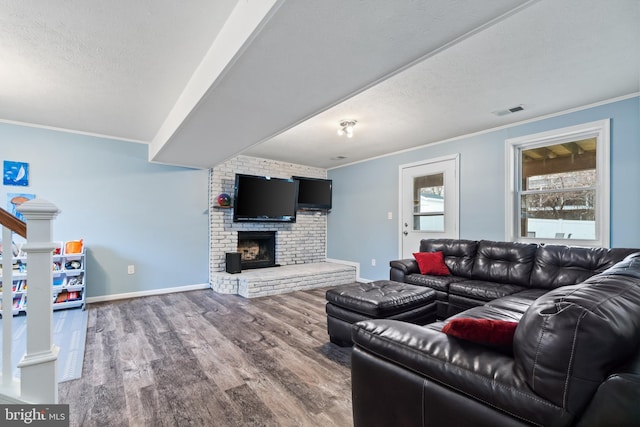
(308, 56)
(550, 57)
(204, 81)
(113, 68)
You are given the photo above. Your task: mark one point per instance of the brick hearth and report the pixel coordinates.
(276, 280)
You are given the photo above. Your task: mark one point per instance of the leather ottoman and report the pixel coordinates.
(383, 299)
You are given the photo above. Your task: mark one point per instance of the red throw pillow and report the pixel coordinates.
(432, 263)
(483, 331)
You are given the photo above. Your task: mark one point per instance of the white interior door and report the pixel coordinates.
(428, 202)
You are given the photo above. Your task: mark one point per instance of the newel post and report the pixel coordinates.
(38, 376)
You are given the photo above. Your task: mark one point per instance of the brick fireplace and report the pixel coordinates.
(299, 243)
(300, 248)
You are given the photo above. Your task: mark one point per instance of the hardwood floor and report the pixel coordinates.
(205, 359)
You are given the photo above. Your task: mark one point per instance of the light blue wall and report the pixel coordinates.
(127, 210)
(358, 228)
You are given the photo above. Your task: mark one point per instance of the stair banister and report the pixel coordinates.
(9, 385)
(38, 376)
(11, 224)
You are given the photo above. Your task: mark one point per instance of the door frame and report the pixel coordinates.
(456, 203)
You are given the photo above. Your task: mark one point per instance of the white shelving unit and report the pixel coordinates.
(68, 287)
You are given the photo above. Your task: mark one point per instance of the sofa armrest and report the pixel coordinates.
(401, 268)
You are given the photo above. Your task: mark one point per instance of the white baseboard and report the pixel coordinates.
(186, 288)
(352, 264)
(148, 293)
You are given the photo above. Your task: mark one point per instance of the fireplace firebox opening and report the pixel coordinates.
(257, 249)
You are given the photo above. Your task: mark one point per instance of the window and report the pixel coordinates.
(558, 186)
(428, 210)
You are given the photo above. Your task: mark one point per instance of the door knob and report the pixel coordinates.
(405, 232)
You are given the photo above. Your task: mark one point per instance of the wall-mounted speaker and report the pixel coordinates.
(233, 262)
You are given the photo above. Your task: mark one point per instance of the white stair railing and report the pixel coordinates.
(38, 377)
(10, 386)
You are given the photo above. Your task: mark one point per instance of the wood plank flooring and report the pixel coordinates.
(205, 359)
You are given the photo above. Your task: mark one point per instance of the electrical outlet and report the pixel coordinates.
(373, 262)
(131, 269)
(389, 215)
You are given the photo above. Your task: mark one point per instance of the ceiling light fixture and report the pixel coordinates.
(346, 127)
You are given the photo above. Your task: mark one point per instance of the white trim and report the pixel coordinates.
(151, 292)
(349, 263)
(456, 209)
(72, 131)
(511, 171)
(454, 156)
(485, 131)
(601, 129)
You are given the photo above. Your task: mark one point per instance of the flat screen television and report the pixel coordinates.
(314, 193)
(264, 199)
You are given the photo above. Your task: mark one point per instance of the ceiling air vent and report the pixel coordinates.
(509, 110)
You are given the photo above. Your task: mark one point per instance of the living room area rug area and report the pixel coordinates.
(69, 334)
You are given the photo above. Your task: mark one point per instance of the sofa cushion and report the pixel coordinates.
(458, 254)
(482, 290)
(432, 263)
(571, 338)
(557, 265)
(439, 283)
(487, 312)
(457, 304)
(518, 302)
(472, 293)
(504, 262)
(483, 331)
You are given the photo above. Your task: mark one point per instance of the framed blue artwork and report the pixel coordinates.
(16, 173)
(16, 199)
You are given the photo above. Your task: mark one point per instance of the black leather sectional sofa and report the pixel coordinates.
(482, 271)
(575, 356)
